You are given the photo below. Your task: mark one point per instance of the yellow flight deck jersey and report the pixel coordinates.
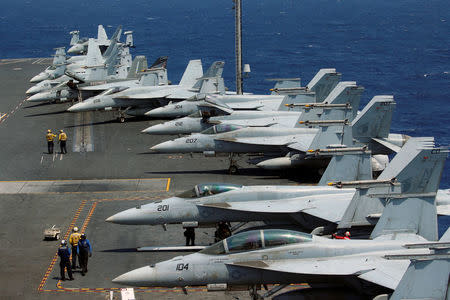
(62, 136)
(50, 136)
(74, 238)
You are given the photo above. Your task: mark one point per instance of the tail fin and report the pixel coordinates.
(138, 65)
(375, 119)
(348, 166)
(427, 277)
(193, 71)
(346, 93)
(282, 83)
(208, 83)
(60, 56)
(75, 37)
(129, 39)
(323, 83)
(111, 61)
(289, 102)
(113, 45)
(157, 74)
(102, 38)
(116, 36)
(93, 56)
(415, 211)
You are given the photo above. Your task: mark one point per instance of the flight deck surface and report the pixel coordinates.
(108, 168)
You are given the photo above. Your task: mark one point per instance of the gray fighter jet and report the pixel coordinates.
(94, 72)
(55, 70)
(373, 122)
(80, 46)
(70, 88)
(407, 226)
(285, 91)
(137, 101)
(322, 208)
(345, 96)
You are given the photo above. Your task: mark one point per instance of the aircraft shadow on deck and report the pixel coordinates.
(47, 114)
(39, 105)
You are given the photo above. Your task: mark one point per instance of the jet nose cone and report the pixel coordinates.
(32, 90)
(123, 217)
(155, 129)
(138, 277)
(159, 112)
(75, 49)
(76, 107)
(43, 96)
(165, 147)
(39, 77)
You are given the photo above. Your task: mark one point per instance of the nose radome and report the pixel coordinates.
(39, 77)
(163, 147)
(155, 129)
(138, 277)
(77, 107)
(124, 217)
(159, 112)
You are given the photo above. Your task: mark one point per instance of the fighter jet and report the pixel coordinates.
(109, 80)
(94, 72)
(345, 96)
(407, 226)
(55, 70)
(374, 121)
(137, 101)
(80, 46)
(285, 91)
(322, 208)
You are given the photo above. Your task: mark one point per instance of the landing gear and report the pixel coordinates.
(121, 117)
(254, 293)
(233, 169)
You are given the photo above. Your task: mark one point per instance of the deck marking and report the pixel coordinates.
(168, 184)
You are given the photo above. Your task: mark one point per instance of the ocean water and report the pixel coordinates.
(399, 48)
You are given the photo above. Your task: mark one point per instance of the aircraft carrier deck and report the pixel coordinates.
(108, 168)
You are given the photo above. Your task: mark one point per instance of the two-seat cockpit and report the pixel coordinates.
(207, 189)
(257, 240)
(221, 128)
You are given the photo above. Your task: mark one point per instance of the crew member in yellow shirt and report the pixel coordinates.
(62, 138)
(49, 137)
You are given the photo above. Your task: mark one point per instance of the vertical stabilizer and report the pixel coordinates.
(116, 36)
(346, 93)
(323, 83)
(138, 65)
(424, 279)
(129, 39)
(75, 37)
(93, 56)
(375, 119)
(194, 70)
(348, 166)
(415, 211)
(102, 38)
(60, 56)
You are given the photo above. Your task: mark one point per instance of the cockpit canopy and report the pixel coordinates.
(207, 189)
(221, 128)
(257, 239)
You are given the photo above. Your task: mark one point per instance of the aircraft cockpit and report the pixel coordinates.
(257, 239)
(207, 189)
(221, 128)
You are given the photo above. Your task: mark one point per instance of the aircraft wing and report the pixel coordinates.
(245, 106)
(295, 142)
(149, 95)
(388, 145)
(372, 268)
(326, 206)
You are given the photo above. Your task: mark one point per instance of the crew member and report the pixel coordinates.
(62, 138)
(64, 255)
(84, 252)
(50, 136)
(346, 236)
(222, 232)
(73, 241)
(189, 233)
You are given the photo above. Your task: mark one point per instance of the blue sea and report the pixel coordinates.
(399, 48)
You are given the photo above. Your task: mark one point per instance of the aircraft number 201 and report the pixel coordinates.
(164, 207)
(181, 267)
